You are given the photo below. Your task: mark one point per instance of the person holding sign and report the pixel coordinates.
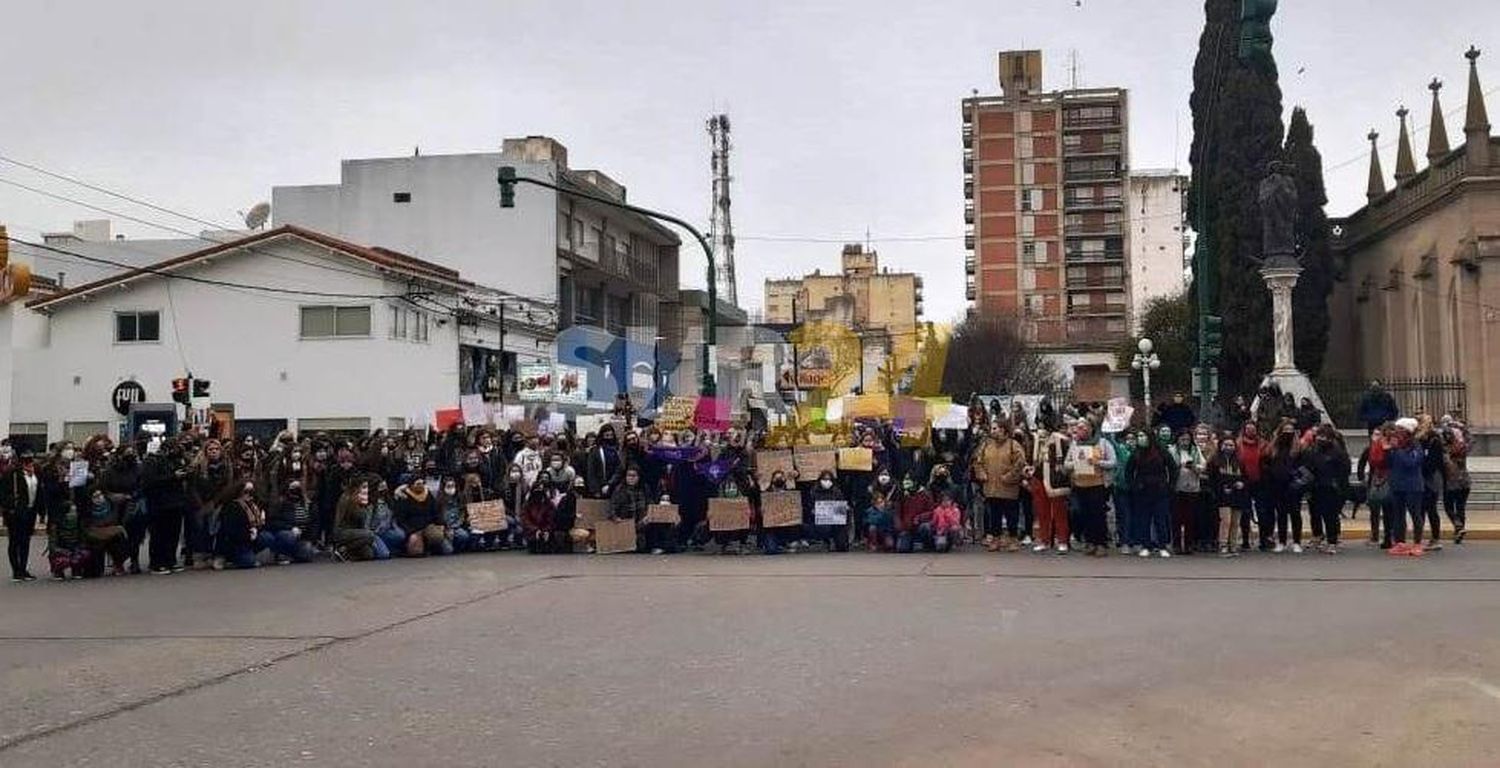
(1091, 461)
(536, 517)
(830, 514)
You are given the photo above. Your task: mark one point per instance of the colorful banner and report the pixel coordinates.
(534, 382)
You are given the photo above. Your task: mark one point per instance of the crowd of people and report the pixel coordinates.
(1049, 481)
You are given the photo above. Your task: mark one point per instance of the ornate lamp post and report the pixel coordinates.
(1146, 361)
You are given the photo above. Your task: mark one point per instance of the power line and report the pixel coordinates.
(210, 281)
(164, 209)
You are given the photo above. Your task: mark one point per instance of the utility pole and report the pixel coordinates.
(508, 179)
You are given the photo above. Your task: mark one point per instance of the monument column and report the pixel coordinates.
(1281, 279)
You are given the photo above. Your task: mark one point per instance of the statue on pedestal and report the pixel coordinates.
(1281, 268)
(1278, 214)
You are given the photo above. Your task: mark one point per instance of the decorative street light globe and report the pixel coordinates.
(1145, 346)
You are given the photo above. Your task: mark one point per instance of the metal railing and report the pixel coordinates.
(1436, 395)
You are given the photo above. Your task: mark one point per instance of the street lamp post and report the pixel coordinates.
(508, 179)
(1146, 361)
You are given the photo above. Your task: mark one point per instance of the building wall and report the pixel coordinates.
(1155, 207)
(453, 218)
(1403, 324)
(246, 343)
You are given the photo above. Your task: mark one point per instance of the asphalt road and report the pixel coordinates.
(812, 659)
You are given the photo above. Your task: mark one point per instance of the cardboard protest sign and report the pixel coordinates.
(677, 413)
(712, 414)
(729, 514)
(876, 406)
(812, 461)
(780, 509)
(487, 516)
(856, 460)
(591, 512)
(768, 463)
(666, 514)
(830, 513)
(614, 537)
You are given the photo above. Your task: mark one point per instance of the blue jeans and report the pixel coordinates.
(382, 552)
(1121, 501)
(1153, 520)
(394, 540)
(1403, 503)
(461, 541)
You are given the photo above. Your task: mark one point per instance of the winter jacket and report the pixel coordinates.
(165, 490)
(1377, 407)
(997, 466)
(1228, 482)
(1151, 471)
(1406, 469)
(628, 502)
(946, 519)
(1329, 465)
(914, 510)
(414, 514)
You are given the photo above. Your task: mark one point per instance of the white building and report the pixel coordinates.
(351, 338)
(589, 264)
(1156, 207)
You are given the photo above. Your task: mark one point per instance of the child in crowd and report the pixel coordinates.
(879, 522)
(66, 552)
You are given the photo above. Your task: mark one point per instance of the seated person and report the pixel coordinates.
(66, 553)
(947, 522)
(537, 517)
(104, 534)
(353, 535)
(456, 534)
(914, 518)
(417, 513)
(879, 523)
(287, 522)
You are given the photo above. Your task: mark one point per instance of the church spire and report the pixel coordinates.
(1437, 137)
(1377, 177)
(1406, 166)
(1478, 119)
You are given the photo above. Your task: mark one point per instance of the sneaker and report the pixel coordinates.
(1399, 549)
(1062, 549)
(160, 571)
(1433, 545)
(1145, 552)
(1279, 548)
(1415, 550)
(218, 564)
(1296, 548)
(1039, 548)
(1166, 554)
(1026, 541)
(178, 569)
(1458, 536)
(1331, 549)
(658, 551)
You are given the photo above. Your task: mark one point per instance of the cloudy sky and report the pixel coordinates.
(845, 113)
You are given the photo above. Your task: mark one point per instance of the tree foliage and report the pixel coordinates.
(987, 355)
(1310, 299)
(927, 381)
(1171, 326)
(1237, 131)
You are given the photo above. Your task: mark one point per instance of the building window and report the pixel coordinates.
(1028, 173)
(1035, 305)
(1072, 142)
(401, 197)
(1115, 299)
(398, 323)
(1032, 199)
(28, 436)
(134, 327)
(80, 431)
(335, 426)
(1028, 279)
(422, 327)
(1025, 147)
(1028, 251)
(335, 322)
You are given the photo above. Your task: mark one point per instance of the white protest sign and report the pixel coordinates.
(474, 410)
(957, 417)
(1118, 418)
(830, 513)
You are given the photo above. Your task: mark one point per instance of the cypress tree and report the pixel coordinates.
(1237, 131)
(1310, 299)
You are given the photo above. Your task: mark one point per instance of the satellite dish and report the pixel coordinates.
(258, 216)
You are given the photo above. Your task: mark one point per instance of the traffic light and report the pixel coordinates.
(1211, 337)
(180, 391)
(200, 387)
(507, 186)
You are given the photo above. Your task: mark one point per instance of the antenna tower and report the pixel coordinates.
(721, 230)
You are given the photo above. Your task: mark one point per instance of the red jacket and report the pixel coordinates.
(915, 509)
(946, 519)
(536, 516)
(1250, 453)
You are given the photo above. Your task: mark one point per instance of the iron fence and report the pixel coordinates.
(1435, 395)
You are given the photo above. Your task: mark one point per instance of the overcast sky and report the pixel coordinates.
(845, 114)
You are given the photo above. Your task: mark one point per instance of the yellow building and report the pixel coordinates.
(884, 308)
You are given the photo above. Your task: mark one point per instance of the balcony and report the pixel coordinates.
(970, 293)
(1093, 229)
(968, 137)
(971, 264)
(1096, 283)
(1095, 257)
(969, 213)
(968, 163)
(1094, 203)
(1087, 175)
(969, 240)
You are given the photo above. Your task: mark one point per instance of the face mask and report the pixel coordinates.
(827, 484)
(363, 497)
(450, 490)
(321, 455)
(68, 454)
(1144, 442)
(885, 479)
(515, 477)
(249, 489)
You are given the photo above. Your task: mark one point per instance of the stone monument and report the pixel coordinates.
(1280, 269)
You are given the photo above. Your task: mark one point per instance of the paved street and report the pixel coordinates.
(966, 659)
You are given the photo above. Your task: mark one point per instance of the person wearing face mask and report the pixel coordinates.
(537, 516)
(1188, 488)
(1250, 449)
(530, 461)
(1123, 444)
(164, 483)
(492, 463)
(1279, 470)
(383, 521)
(242, 529)
(998, 467)
(103, 534)
(417, 512)
(1230, 493)
(457, 536)
(1330, 467)
(914, 518)
(287, 522)
(836, 537)
(354, 535)
(213, 475)
(1405, 458)
(1050, 480)
(1091, 461)
(1432, 477)
(1152, 476)
(121, 483)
